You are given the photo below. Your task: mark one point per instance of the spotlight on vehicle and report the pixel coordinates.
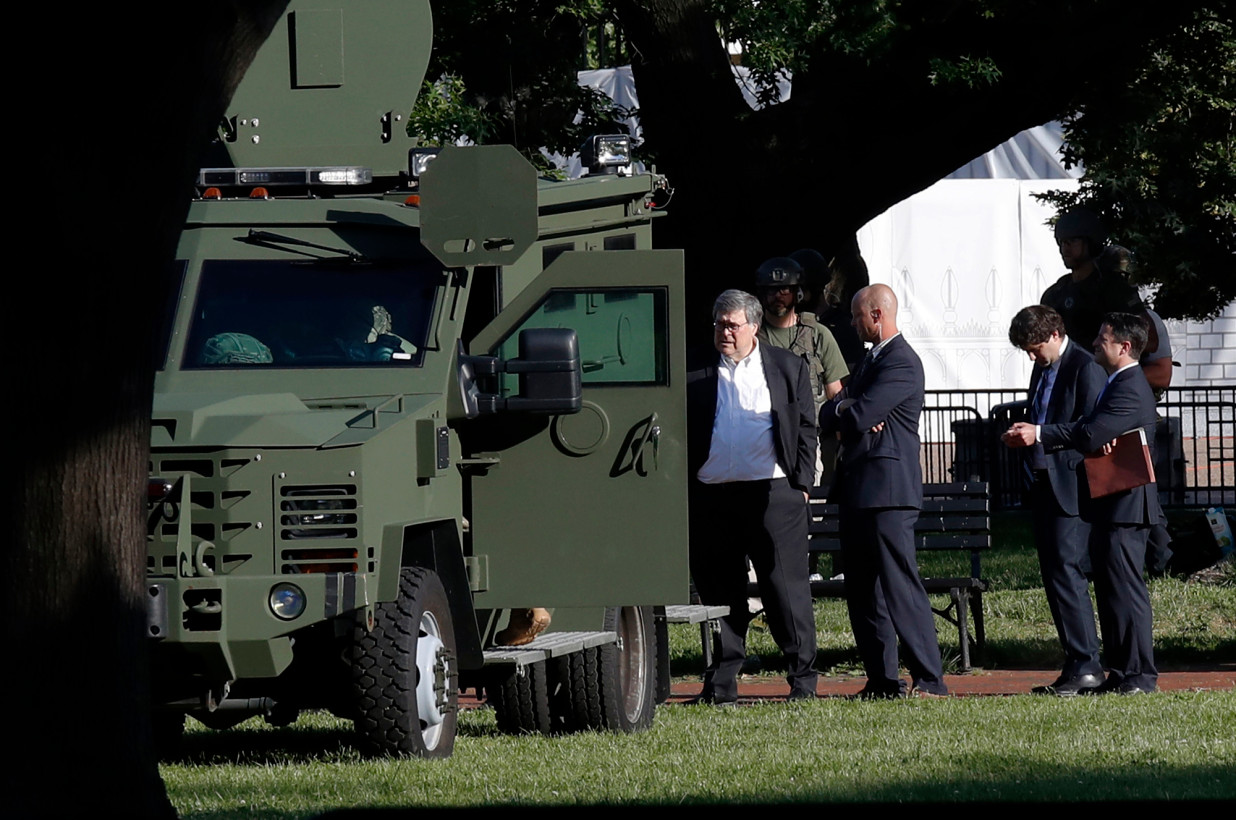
(606, 153)
(419, 159)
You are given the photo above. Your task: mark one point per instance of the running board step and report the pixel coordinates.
(546, 646)
(694, 613)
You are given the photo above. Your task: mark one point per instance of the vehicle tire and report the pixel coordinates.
(561, 694)
(628, 670)
(575, 691)
(404, 674)
(520, 697)
(663, 655)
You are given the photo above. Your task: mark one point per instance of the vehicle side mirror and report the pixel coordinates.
(549, 370)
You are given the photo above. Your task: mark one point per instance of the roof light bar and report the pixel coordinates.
(320, 175)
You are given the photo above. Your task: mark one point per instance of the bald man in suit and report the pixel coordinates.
(879, 486)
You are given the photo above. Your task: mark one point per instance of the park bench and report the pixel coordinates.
(956, 517)
(705, 616)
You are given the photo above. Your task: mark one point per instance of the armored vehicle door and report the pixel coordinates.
(591, 508)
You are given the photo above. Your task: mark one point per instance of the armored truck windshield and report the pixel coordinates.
(252, 313)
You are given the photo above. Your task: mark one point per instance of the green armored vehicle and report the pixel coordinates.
(402, 396)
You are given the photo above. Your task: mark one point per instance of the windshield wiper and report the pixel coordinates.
(274, 240)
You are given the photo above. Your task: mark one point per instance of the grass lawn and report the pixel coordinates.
(1022, 748)
(1194, 624)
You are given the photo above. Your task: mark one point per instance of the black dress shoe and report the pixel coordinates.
(1129, 689)
(799, 694)
(870, 692)
(1066, 687)
(1113, 686)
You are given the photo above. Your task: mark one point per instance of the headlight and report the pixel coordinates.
(287, 601)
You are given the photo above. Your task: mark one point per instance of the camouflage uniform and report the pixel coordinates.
(815, 343)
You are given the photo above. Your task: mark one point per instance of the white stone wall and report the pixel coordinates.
(1205, 350)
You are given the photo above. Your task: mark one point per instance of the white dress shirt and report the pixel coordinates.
(742, 448)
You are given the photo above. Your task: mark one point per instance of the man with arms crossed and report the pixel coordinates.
(1064, 385)
(879, 486)
(751, 442)
(1120, 521)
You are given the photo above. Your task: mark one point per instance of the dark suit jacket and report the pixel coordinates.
(879, 470)
(1076, 388)
(1127, 403)
(793, 411)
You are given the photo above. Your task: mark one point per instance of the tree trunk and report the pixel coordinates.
(103, 187)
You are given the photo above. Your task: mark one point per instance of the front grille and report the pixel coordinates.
(316, 522)
(203, 496)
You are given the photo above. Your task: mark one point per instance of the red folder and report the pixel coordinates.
(1127, 466)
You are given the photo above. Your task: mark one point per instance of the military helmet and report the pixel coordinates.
(1081, 222)
(1117, 259)
(815, 267)
(235, 348)
(779, 272)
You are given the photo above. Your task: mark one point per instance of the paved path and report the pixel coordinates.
(767, 689)
(994, 682)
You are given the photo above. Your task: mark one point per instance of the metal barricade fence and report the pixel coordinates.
(1195, 443)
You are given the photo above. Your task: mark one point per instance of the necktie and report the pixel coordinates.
(1042, 395)
(862, 367)
(1038, 415)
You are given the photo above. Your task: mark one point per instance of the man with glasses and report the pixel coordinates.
(751, 444)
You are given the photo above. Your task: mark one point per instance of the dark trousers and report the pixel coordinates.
(886, 599)
(1158, 549)
(1062, 542)
(1118, 554)
(767, 522)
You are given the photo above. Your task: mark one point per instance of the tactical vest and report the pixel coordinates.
(803, 338)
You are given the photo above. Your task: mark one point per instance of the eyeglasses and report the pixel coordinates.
(727, 327)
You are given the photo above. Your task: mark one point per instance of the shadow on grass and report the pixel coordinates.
(262, 745)
(995, 783)
(1184, 651)
(1020, 653)
(255, 743)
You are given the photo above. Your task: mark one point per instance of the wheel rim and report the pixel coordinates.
(432, 679)
(633, 663)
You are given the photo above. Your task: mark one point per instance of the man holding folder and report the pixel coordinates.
(1121, 521)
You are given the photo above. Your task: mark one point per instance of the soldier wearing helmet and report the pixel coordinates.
(778, 283)
(1086, 293)
(815, 277)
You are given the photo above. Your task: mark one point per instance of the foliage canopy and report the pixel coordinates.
(888, 96)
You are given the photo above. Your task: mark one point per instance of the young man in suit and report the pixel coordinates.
(1120, 521)
(751, 443)
(879, 486)
(1064, 385)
